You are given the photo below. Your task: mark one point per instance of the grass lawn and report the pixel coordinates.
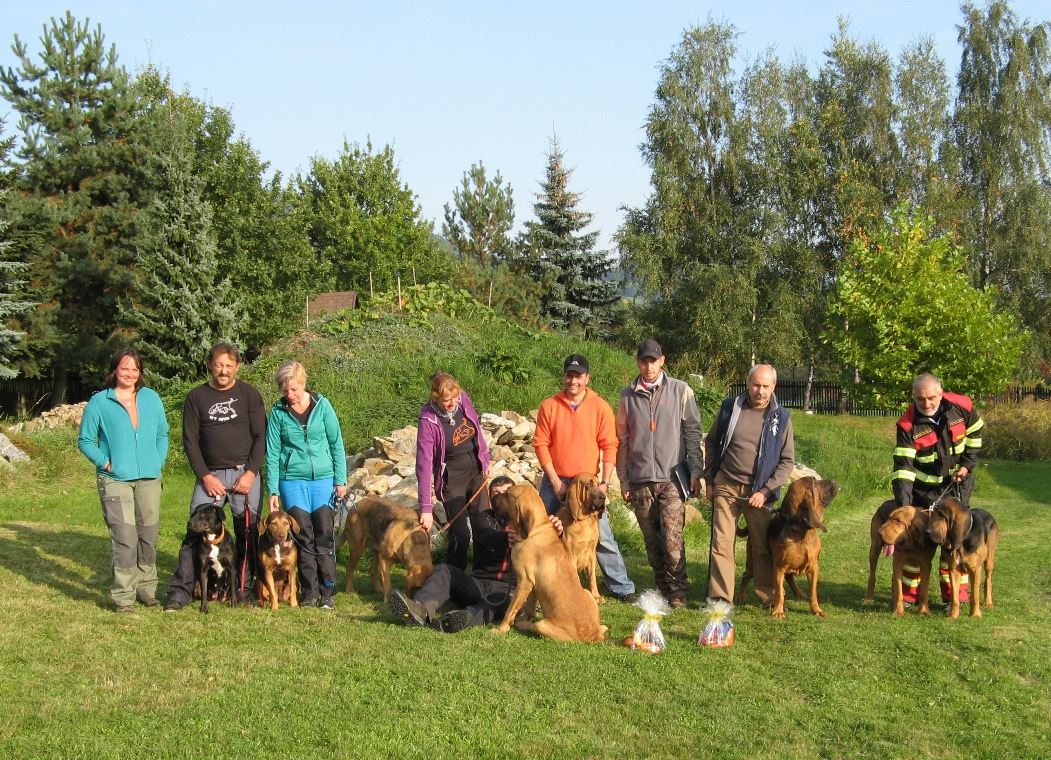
(78, 681)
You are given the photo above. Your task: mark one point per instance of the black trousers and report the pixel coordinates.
(317, 566)
(485, 600)
(463, 479)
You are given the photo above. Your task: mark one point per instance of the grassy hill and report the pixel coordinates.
(78, 681)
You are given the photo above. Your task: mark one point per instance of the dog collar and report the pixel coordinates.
(219, 539)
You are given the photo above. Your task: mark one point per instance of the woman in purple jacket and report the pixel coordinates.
(452, 462)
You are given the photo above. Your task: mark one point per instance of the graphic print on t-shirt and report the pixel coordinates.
(223, 411)
(463, 433)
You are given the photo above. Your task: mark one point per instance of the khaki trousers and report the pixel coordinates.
(728, 503)
(132, 511)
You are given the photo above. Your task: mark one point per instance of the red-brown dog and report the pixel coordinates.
(905, 531)
(278, 558)
(580, 514)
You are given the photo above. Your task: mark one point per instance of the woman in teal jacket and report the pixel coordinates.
(305, 463)
(124, 433)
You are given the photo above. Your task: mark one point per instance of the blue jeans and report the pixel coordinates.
(607, 553)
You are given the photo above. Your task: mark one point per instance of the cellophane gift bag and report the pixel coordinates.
(718, 630)
(648, 636)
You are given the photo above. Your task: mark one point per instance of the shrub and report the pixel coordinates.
(1018, 431)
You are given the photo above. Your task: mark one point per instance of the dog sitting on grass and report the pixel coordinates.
(214, 554)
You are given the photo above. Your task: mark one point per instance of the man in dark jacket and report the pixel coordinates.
(224, 435)
(659, 429)
(938, 439)
(749, 455)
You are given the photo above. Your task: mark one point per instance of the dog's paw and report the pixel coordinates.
(501, 629)
(778, 614)
(819, 612)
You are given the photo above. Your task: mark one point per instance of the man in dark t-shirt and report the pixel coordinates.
(224, 435)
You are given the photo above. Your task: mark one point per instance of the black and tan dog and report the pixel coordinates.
(545, 574)
(214, 553)
(904, 536)
(278, 576)
(968, 538)
(795, 546)
(583, 507)
(392, 533)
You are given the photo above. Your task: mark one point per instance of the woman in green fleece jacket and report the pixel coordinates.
(305, 463)
(124, 433)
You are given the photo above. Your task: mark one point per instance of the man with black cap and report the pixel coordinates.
(659, 464)
(572, 428)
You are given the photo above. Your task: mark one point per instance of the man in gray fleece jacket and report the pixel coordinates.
(659, 429)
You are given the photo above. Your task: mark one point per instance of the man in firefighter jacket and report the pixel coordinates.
(938, 441)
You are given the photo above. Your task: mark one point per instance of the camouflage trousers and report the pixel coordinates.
(662, 515)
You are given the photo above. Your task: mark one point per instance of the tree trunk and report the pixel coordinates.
(59, 380)
(809, 387)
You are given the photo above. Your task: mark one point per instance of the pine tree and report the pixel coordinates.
(577, 293)
(11, 302)
(178, 306)
(481, 217)
(80, 187)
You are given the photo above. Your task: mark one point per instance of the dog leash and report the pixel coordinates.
(244, 556)
(953, 484)
(339, 506)
(474, 496)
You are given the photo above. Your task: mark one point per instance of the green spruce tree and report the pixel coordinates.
(178, 305)
(80, 184)
(577, 292)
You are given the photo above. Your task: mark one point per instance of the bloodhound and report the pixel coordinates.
(392, 533)
(278, 561)
(876, 544)
(795, 546)
(904, 536)
(545, 574)
(580, 514)
(968, 538)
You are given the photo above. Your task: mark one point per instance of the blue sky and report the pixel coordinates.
(453, 83)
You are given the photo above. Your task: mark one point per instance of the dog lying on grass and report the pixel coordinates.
(214, 554)
(545, 573)
(392, 533)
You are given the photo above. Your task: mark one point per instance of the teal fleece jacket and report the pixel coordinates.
(310, 452)
(107, 437)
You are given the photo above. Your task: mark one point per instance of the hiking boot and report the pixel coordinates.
(406, 610)
(173, 605)
(630, 598)
(124, 609)
(677, 602)
(454, 621)
(327, 603)
(147, 600)
(309, 602)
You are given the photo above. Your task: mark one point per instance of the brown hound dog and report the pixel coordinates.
(904, 533)
(795, 546)
(580, 514)
(392, 533)
(278, 561)
(968, 538)
(876, 544)
(545, 574)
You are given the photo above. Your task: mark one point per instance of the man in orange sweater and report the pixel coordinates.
(572, 427)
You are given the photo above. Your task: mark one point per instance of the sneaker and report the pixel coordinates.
(173, 605)
(630, 598)
(405, 609)
(327, 603)
(309, 602)
(124, 609)
(454, 621)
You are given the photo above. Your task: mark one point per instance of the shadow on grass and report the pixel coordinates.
(32, 554)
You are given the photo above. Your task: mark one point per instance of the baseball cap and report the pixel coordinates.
(649, 349)
(576, 363)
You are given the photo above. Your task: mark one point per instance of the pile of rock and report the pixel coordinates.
(388, 467)
(65, 415)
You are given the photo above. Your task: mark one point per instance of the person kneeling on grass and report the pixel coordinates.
(485, 593)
